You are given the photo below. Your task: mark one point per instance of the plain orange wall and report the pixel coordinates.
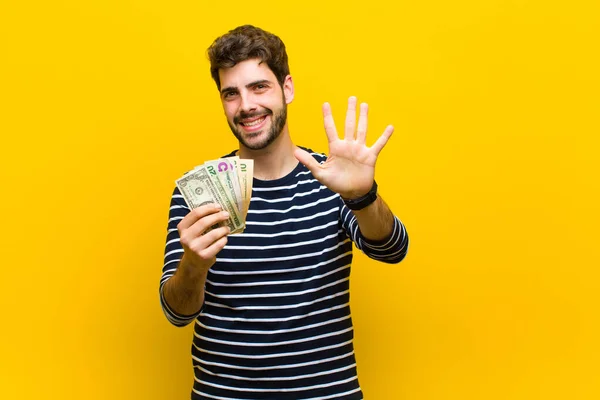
(493, 168)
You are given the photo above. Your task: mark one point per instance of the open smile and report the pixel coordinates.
(253, 124)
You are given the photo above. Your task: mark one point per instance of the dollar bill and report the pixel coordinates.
(197, 189)
(223, 170)
(235, 160)
(246, 175)
(226, 197)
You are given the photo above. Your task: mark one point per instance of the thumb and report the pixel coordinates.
(309, 162)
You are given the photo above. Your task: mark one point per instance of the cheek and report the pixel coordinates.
(229, 111)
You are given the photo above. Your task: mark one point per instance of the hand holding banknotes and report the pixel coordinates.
(200, 242)
(226, 182)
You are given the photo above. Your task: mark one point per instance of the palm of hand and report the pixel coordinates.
(349, 169)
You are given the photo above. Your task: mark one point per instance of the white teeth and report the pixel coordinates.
(253, 123)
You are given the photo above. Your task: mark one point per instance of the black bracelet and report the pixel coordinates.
(363, 201)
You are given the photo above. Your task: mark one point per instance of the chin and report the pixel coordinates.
(256, 145)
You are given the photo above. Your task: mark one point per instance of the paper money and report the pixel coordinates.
(227, 182)
(246, 174)
(236, 179)
(223, 170)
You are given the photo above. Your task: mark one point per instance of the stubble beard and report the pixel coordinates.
(278, 122)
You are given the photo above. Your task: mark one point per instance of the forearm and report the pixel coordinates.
(375, 221)
(184, 291)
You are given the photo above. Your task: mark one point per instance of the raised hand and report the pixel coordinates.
(350, 166)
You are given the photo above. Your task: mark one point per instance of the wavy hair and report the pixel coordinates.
(247, 42)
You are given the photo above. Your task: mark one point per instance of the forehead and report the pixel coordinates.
(244, 73)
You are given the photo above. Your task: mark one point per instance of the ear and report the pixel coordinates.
(288, 89)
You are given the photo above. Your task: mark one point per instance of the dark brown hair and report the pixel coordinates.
(246, 42)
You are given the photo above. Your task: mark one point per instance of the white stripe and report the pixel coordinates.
(355, 235)
(279, 366)
(295, 317)
(172, 241)
(298, 305)
(284, 246)
(175, 219)
(286, 282)
(278, 271)
(165, 277)
(388, 256)
(170, 270)
(299, 207)
(281, 378)
(284, 294)
(271, 189)
(173, 252)
(324, 385)
(272, 223)
(264, 356)
(282, 199)
(253, 332)
(271, 259)
(175, 207)
(170, 261)
(345, 210)
(164, 280)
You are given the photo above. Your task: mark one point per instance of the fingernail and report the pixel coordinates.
(217, 206)
(225, 214)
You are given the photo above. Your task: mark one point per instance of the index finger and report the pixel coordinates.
(197, 213)
(382, 140)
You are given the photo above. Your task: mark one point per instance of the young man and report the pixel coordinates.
(271, 305)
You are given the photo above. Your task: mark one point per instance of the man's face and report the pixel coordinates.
(255, 104)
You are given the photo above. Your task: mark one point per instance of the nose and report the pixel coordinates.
(247, 103)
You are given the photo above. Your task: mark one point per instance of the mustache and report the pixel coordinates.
(243, 115)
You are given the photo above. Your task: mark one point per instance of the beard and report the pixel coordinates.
(278, 121)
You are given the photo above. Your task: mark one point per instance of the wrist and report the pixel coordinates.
(363, 201)
(190, 269)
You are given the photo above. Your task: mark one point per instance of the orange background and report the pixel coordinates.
(493, 168)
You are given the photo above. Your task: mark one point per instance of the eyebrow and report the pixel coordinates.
(233, 88)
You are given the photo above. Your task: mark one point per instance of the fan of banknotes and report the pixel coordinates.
(226, 181)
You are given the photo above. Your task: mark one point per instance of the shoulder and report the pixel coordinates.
(230, 154)
(320, 157)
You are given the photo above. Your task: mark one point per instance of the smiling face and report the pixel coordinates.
(255, 104)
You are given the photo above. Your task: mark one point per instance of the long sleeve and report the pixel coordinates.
(391, 250)
(173, 253)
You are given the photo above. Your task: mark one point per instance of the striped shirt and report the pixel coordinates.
(276, 323)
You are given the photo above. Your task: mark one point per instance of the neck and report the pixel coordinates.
(275, 161)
